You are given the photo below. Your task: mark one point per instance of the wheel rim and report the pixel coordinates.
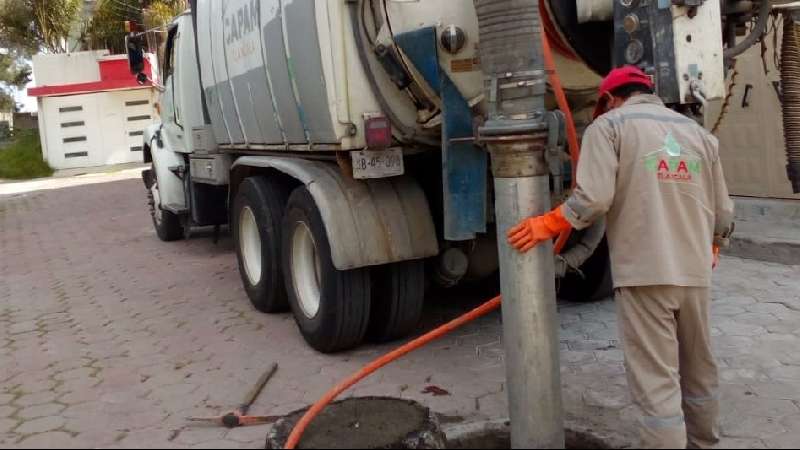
(158, 213)
(250, 244)
(306, 270)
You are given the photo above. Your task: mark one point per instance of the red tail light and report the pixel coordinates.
(378, 132)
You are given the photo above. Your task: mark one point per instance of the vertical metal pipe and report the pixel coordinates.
(530, 319)
(516, 134)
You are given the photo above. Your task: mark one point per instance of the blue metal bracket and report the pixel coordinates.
(464, 165)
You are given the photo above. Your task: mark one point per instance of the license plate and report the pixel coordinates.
(377, 164)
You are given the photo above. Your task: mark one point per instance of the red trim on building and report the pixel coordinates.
(114, 76)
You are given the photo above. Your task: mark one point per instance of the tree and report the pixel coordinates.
(38, 24)
(14, 74)
(160, 13)
(106, 29)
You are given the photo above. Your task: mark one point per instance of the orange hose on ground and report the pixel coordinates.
(572, 131)
(574, 146)
(302, 425)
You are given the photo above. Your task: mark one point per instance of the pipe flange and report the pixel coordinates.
(518, 156)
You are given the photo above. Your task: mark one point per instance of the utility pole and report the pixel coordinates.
(516, 134)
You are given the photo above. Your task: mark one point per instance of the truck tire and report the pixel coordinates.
(596, 283)
(398, 297)
(257, 215)
(167, 224)
(331, 307)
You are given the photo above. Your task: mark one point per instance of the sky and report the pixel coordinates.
(28, 103)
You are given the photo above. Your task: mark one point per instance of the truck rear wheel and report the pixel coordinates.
(257, 216)
(331, 307)
(398, 297)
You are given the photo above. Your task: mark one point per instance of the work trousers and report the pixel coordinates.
(671, 370)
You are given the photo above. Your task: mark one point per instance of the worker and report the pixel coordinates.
(656, 175)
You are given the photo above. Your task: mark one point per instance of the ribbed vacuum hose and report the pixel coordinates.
(790, 75)
(507, 29)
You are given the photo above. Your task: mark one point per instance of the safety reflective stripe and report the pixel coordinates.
(623, 117)
(700, 401)
(575, 210)
(663, 422)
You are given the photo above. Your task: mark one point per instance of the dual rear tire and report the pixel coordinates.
(285, 262)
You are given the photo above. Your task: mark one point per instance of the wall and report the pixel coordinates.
(72, 68)
(97, 129)
(751, 135)
(26, 121)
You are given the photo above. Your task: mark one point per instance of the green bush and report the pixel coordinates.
(22, 159)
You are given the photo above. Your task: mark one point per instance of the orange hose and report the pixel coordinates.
(572, 131)
(383, 361)
(302, 425)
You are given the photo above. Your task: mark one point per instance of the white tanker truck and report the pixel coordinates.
(345, 141)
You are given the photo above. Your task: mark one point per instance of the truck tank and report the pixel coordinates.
(302, 75)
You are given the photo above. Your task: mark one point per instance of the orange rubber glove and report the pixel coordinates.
(535, 230)
(715, 250)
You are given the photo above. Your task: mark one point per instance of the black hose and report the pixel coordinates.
(790, 77)
(755, 35)
(407, 133)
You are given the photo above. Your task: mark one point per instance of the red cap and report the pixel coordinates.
(618, 78)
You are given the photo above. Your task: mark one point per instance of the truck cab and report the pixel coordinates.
(180, 140)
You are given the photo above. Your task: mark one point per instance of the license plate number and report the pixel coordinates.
(377, 164)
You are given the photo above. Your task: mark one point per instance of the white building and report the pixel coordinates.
(92, 111)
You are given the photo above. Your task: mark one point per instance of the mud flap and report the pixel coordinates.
(147, 178)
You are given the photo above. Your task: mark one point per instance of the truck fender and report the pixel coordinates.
(167, 164)
(368, 223)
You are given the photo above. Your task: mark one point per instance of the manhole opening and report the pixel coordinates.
(378, 423)
(501, 439)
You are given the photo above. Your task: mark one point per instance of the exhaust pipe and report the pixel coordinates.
(790, 77)
(516, 133)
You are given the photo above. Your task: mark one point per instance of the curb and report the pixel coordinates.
(748, 247)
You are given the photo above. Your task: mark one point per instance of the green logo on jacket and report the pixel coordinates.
(672, 162)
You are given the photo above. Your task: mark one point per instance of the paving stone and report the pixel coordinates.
(7, 411)
(611, 397)
(578, 358)
(788, 373)
(740, 329)
(196, 436)
(748, 427)
(788, 440)
(35, 399)
(131, 352)
(21, 328)
(220, 443)
(744, 444)
(49, 440)
(778, 390)
(247, 435)
(33, 412)
(7, 425)
(720, 309)
(766, 407)
(8, 440)
(41, 425)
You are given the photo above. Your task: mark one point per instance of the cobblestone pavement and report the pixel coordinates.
(110, 338)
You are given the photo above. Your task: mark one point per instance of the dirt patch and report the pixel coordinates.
(365, 423)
